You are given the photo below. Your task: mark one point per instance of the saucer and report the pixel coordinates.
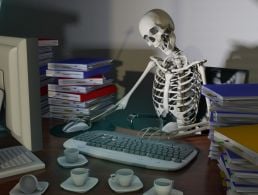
(68, 185)
(173, 192)
(16, 189)
(81, 161)
(135, 185)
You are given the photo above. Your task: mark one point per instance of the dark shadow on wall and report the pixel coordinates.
(244, 57)
(23, 20)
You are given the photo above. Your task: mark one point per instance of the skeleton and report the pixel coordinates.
(177, 83)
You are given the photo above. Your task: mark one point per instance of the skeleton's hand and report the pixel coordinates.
(122, 103)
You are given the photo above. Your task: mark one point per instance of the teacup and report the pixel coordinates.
(163, 186)
(123, 177)
(79, 176)
(71, 155)
(29, 184)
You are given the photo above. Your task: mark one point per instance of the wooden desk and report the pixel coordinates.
(201, 177)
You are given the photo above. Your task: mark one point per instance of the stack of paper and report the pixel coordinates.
(81, 88)
(234, 134)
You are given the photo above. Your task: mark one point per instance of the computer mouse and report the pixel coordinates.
(75, 126)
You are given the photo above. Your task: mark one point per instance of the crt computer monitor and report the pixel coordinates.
(19, 78)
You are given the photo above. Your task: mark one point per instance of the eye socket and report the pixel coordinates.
(154, 30)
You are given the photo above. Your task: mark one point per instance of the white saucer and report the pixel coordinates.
(16, 189)
(68, 185)
(173, 192)
(135, 185)
(81, 161)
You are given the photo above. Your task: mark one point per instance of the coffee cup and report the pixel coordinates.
(79, 176)
(29, 184)
(71, 155)
(163, 186)
(123, 177)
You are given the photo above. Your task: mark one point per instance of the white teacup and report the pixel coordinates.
(29, 184)
(79, 176)
(123, 177)
(71, 155)
(163, 186)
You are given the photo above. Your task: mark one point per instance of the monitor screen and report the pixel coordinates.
(19, 78)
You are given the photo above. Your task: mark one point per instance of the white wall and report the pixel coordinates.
(223, 32)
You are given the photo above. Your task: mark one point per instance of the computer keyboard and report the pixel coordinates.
(17, 160)
(134, 150)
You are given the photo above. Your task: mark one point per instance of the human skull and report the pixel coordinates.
(157, 28)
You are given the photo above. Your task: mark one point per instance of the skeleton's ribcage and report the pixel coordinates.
(182, 95)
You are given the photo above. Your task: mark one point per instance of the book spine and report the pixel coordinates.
(89, 81)
(84, 97)
(64, 74)
(99, 93)
(68, 110)
(66, 96)
(70, 89)
(75, 67)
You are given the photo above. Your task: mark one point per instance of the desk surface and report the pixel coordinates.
(200, 177)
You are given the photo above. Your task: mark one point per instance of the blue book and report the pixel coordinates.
(78, 74)
(80, 64)
(229, 92)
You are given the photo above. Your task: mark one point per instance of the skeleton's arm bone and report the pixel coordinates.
(121, 104)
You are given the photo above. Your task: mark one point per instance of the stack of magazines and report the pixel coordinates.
(234, 134)
(81, 88)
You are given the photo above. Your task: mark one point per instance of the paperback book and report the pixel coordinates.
(78, 74)
(230, 92)
(88, 81)
(85, 104)
(80, 64)
(77, 89)
(108, 90)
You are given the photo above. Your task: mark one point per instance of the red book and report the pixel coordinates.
(108, 90)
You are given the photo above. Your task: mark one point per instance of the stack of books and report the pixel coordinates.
(239, 159)
(46, 53)
(234, 134)
(232, 104)
(81, 89)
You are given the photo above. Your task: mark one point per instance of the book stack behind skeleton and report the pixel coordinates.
(234, 133)
(81, 87)
(46, 53)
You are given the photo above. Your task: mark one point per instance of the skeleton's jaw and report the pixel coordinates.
(165, 49)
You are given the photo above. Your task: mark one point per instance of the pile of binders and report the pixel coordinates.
(234, 133)
(81, 88)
